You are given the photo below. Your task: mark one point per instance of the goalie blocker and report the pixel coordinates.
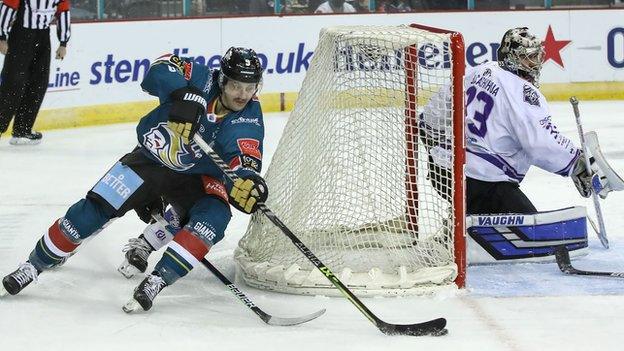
(514, 237)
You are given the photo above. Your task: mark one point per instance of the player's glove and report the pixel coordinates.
(189, 105)
(248, 190)
(587, 182)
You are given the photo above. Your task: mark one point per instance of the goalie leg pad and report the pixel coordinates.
(525, 237)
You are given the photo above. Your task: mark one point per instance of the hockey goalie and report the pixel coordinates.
(508, 130)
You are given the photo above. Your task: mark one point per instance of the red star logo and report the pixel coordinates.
(552, 47)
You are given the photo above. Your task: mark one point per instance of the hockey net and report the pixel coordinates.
(351, 175)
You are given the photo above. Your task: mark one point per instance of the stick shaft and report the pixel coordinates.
(602, 232)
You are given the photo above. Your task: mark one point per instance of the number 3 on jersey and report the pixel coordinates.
(480, 117)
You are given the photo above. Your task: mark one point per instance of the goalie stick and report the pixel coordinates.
(602, 232)
(435, 327)
(267, 318)
(562, 255)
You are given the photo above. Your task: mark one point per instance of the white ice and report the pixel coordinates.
(78, 306)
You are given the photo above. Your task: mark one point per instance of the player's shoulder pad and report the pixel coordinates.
(182, 66)
(199, 76)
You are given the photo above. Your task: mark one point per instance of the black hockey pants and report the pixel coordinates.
(25, 77)
(496, 197)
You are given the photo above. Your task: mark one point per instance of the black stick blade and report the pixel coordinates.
(435, 327)
(563, 261)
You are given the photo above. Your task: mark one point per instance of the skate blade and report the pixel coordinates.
(131, 306)
(23, 141)
(3, 291)
(127, 270)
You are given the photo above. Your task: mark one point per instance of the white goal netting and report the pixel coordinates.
(351, 176)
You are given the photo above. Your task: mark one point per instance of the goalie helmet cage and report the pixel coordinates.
(353, 176)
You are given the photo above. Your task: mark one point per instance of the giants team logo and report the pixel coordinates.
(167, 148)
(249, 147)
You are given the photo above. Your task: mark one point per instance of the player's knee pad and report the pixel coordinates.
(512, 237)
(56, 245)
(208, 219)
(85, 218)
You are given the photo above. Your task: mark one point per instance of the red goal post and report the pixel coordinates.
(457, 49)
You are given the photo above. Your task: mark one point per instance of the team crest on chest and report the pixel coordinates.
(167, 147)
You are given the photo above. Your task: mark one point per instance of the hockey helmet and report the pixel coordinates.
(521, 53)
(242, 65)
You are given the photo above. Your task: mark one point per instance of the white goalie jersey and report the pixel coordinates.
(508, 128)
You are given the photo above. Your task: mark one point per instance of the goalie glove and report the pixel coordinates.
(248, 190)
(189, 105)
(587, 182)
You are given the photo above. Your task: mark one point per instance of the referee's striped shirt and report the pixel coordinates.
(35, 14)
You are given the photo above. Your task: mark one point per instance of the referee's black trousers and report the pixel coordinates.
(25, 77)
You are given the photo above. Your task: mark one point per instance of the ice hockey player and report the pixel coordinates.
(220, 106)
(508, 129)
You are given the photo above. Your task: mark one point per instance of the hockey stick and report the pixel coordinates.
(562, 255)
(602, 233)
(434, 327)
(267, 318)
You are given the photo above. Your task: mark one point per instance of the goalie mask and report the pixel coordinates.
(242, 65)
(521, 53)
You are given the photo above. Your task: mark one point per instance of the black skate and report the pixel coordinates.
(19, 279)
(32, 138)
(137, 251)
(145, 293)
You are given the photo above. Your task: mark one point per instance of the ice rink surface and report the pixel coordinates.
(78, 306)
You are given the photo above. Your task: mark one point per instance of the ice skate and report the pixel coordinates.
(145, 293)
(19, 279)
(32, 138)
(137, 252)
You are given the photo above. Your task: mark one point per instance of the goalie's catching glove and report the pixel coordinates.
(587, 182)
(248, 190)
(189, 105)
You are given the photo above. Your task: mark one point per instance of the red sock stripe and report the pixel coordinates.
(60, 240)
(191, 243)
